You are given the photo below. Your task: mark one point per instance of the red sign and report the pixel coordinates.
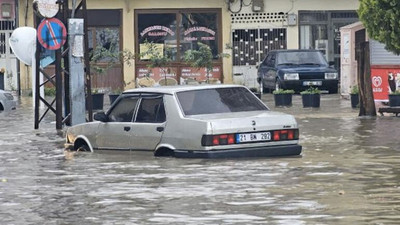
(52, 33)
(156, 77)
(384, 81)
(195, 75)
(169, 76)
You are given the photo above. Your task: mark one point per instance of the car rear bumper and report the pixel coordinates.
(270, 151)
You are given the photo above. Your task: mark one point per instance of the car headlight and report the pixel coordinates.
(291, 76)
(331, 76)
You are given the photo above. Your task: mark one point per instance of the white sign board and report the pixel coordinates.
(47, 8)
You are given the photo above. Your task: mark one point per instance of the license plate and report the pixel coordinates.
(312, 83)
(253, 137)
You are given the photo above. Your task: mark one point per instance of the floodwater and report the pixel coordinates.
(349, 173)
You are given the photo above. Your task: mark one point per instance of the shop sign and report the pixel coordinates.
(191, 75)
(199, 29)
(384, 81)
(149, 77)
(157, 31)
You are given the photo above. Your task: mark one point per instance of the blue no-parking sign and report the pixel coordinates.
(52, 33)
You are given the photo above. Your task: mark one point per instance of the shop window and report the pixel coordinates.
(198, 27)
(160, 29)
(314, 37)
(106, 40)
(171, 29)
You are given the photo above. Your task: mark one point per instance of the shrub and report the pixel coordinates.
(283, 91)
(311, 90)
(354, 90)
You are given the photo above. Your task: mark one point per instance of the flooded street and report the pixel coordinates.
(349, 173)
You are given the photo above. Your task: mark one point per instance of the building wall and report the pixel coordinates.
(128, 6)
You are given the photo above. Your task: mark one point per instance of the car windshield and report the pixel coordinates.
(301, 58)
(219, 100)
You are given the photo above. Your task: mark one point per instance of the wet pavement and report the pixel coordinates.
(349, 173)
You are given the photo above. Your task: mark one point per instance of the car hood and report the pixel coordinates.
(300, 69)
(247, 121)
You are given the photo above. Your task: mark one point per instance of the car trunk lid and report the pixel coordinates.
(247, 121)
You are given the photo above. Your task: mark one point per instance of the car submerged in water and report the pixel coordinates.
(207, 121)
(7, 101)
(297, 70)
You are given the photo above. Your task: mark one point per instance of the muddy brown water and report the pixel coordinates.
(349, 173)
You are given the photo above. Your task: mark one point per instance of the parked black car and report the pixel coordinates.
(297, 70)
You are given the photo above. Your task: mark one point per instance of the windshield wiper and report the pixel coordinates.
(312, 64)
(287, 64)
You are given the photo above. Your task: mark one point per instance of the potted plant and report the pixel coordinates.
(394, 98)
(97, 99)
(311, 97)
(113, 95)
(283, 97)
(354, 96)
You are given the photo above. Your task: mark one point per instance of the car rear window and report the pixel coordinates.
(219, 100)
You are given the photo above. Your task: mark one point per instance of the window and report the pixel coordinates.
(151, 110)
(158, 28)
(176, 32)
(104, 39)
(124, 110)
(221, 100)
(104, 29)
(198, 27)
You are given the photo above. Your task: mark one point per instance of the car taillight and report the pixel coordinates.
(220, 139)
(282, 135)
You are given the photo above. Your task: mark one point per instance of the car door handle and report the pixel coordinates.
(127, 128)
(160, 129)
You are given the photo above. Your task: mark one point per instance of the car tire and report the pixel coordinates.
(83, 148)
(333, 90)
(277, 85)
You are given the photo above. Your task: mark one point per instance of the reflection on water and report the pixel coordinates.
(348, 174)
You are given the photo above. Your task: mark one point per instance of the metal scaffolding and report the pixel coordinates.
(61, 78)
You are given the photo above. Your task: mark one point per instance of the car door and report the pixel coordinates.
(270, 71)
(149, 123)
(117, 131)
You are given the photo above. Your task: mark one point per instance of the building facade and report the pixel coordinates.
(244, 29)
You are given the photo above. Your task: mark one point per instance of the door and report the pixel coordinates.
(149, 123)
(117, 132)
(249, 48)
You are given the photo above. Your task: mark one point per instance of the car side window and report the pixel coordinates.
(151, 110)
(271, 61)
(123, 110)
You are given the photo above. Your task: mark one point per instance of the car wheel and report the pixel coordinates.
(333, 90)
(83, 148)
(277, 85)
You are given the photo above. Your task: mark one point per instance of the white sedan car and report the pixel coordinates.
(7, 101)
(211, 121)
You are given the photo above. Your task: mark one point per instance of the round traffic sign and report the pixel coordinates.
(47, 8)
(52, 33)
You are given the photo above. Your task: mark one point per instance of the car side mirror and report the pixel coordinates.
(101, 116)
(331, 63)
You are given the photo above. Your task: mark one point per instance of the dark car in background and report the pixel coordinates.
(296, 70)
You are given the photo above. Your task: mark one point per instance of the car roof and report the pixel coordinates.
(179, 88)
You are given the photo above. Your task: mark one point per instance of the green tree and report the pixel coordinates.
(382, 21)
